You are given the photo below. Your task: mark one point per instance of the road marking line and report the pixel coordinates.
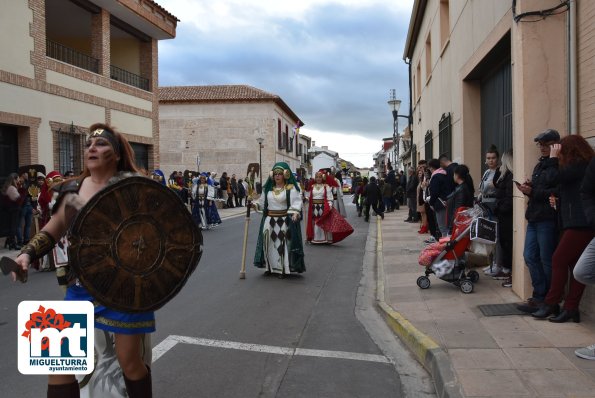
(172, 340)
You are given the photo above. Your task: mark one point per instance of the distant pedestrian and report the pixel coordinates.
(411, 194)
(373, 199)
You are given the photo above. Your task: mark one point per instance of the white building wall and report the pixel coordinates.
(50, 108)
(15, 41)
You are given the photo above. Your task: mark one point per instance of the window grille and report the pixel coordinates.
(71, 146)
(445, 136)
(429, 145)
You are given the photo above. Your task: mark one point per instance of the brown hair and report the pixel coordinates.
(575, 149)
(493, 149)
(126, 162)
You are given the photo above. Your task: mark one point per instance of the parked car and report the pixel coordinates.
(347, 185)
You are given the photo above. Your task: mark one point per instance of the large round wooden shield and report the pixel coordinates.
(134, 245)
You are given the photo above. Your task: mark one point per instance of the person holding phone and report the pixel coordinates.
(573, 154)
(541, 236)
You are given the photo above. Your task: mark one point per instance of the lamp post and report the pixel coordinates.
(260, 140)
(394, 104)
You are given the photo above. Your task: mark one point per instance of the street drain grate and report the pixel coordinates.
(500, 309)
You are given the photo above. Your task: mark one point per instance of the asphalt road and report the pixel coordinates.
(312, 335)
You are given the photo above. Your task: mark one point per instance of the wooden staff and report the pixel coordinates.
(243, 268)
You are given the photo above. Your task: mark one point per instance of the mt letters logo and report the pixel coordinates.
(56, 337)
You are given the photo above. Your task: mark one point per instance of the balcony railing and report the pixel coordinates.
(84, 61)
(71, 56)
(130, 78)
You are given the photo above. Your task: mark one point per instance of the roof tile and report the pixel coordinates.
(213, 93)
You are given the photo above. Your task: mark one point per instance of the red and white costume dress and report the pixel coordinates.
(320, 201)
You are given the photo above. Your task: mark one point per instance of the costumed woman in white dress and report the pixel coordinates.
(319, 199)
(325, 224)
(279, 248)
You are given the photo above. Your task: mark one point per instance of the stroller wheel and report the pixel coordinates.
(473, 276)
(466, 286)
(423, 282)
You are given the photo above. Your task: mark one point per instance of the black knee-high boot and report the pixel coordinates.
(64, 390)
(139, 388)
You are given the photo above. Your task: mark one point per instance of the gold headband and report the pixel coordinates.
(108, 135)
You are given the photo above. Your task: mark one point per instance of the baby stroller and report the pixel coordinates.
(447, 258)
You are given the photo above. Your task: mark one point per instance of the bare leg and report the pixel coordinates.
(137, 376)
(129, 353)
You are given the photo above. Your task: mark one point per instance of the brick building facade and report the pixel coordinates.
(69, 64)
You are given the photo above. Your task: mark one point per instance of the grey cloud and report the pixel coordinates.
(334, 68)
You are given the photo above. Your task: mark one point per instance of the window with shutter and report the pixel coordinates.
(280, 135)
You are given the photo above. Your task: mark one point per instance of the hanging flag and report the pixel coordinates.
(296, 129)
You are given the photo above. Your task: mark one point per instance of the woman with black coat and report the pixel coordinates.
(572, 156)
(503, 210)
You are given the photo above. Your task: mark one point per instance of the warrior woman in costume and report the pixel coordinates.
(320, 198)
(279, 249)
(204, 211)
(106, 153)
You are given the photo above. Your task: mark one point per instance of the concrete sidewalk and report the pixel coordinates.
(467, 353)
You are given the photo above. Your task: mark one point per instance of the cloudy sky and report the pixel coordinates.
(332, 61)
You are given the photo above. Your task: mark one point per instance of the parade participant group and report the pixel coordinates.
(108, 157)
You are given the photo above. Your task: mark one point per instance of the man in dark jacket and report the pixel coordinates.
(391, 178)
(541, 237)
(439, 190)
(411, 193)
(373, 198)
(584, 271)
(449, 167)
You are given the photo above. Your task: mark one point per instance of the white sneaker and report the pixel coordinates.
(586, 353)
(495, 271)
(486, 269)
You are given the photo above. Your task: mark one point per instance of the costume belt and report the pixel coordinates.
(201, 196)
(277, 213)
(318, 201)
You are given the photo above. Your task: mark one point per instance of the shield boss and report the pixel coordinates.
(134, 245)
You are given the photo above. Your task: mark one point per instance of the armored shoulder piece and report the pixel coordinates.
(69, 186)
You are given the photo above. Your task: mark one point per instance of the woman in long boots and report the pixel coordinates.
(107, 153)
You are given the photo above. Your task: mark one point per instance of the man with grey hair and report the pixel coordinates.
(411, 195)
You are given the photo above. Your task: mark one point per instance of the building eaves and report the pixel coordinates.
(222, 93)
(417, 16)
(169, 14)
(145, 16)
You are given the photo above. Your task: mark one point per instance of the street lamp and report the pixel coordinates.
(394, 104)
(260, 140)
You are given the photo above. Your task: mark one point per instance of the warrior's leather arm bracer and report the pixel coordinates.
(40, 245)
